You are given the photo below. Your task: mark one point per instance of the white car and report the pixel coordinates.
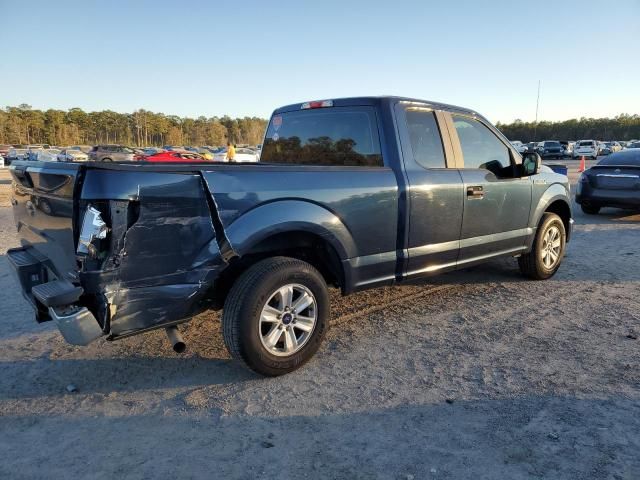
(1, 161)
(49, 155)
(587, 148)
(72, 155)
(519, 146)
(242, 155)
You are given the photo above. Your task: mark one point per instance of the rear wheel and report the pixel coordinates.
(276, 315)
(590, 209)
(544, 259)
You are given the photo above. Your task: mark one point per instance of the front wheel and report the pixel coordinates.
(544, 259)
(276, 315)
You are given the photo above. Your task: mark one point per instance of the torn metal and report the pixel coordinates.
(161, 258)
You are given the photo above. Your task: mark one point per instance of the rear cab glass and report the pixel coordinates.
(334, 136)
(585, 144)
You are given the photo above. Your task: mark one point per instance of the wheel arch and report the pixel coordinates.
(300, 230)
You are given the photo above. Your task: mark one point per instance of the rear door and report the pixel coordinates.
(435, 191)
(43, 211)
(497, 201)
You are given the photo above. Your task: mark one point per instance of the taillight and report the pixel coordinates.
(317, 104)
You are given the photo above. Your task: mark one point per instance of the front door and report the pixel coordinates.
(497, 200)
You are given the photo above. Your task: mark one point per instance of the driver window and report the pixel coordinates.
(481, 148)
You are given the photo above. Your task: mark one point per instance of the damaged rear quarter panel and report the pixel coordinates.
(161, 228)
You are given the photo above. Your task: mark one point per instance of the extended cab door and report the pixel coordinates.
(435, 191)
(497, 201)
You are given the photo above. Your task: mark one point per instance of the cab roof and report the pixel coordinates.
(379, 100)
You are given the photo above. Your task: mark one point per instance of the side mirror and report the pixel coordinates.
(531, 162)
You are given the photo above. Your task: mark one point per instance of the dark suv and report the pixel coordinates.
(551, 149)
(111, 153)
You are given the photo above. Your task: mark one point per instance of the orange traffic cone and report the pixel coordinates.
(583, 167)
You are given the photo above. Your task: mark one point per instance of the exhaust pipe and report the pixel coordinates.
(177, 342)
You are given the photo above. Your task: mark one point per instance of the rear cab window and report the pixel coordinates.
(426, 142)
(334, 136)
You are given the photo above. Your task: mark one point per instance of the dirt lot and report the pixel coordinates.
(477, 374)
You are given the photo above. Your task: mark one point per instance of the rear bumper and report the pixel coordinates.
(609, 198)
(107, 306)
(552, 155)
(77, 324)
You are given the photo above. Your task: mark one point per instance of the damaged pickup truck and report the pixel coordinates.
(355, 193)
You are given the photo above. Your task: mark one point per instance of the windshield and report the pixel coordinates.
(585, 144)
(551, 144)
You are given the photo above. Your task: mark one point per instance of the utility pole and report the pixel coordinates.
(535, 128)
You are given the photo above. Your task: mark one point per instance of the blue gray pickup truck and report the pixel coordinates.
(354, 193)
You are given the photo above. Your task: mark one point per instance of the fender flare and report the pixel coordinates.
(552, 194)
(287, 216)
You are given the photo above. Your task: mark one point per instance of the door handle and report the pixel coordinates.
(476, 191)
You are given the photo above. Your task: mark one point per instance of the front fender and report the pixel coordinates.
(542, 199)
(286, 216)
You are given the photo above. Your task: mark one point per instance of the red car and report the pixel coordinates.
(172, 156)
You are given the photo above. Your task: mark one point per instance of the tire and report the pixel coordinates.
(532, 264)
(107, 159)
(590, 209)
(245, 332)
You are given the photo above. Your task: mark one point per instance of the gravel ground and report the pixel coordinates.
(476, 374)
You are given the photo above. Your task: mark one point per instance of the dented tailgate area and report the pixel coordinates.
(157, 263)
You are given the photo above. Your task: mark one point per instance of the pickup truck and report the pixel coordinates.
(354, 193)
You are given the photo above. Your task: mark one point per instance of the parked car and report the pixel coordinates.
(356, 193)
(603, 148)
(550, 149)
(32, 152)
(519, 146)
(16, 153)
(614, 146)
(175, 156)
(2, 162)
(83, 148)
(4, 150)
(71, 155)
(205, 153)
(567, 146)
(151, 150)
(111, 153)
(613, 182)
(586, 148)
(49, 155)
(633, 145)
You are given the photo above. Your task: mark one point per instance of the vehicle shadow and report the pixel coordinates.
(46, 377)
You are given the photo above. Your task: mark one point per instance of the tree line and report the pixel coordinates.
(25, 125)
(622, 127)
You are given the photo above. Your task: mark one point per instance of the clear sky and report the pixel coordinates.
(240, 58)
